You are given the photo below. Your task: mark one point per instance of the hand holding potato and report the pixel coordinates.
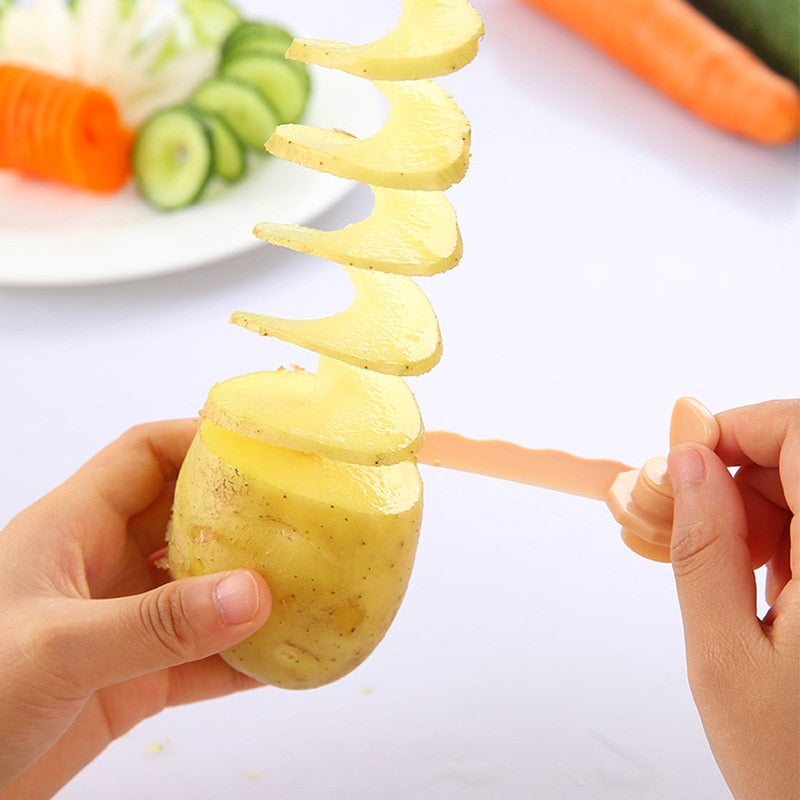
(92, 639)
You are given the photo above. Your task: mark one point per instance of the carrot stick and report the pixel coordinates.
(61, 130)
(675, 48)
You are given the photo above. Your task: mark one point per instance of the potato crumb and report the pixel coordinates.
(156, 748)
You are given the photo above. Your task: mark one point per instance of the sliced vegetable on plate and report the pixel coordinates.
(174, 157)
(225, 78)
(61, 129)
(212, 20)
(142, 52)
(254, 90)
(230, 159)
(284, 84)
(248, 112)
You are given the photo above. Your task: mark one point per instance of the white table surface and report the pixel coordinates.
(618, 254)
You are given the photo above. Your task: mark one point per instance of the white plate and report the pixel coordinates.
(54, 236)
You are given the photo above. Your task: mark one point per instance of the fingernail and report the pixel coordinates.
(236, 596)
(686, 466)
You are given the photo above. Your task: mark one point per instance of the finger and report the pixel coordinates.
(710, 556)
(794, 546)
(767, 434)
(779, 572)
(130, 473)
(187, 683)
(205, 680)
(756, 433)
(126, 565)
(765, 510)
(149, 527)
(765, 481)
(112, 713)
(99, 643)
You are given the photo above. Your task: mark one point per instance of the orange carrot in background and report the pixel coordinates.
(675, 48)
(62, 130)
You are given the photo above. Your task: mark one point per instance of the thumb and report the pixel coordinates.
(110, 641)
(709, 552)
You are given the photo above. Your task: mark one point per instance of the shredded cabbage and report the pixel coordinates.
(143, 52)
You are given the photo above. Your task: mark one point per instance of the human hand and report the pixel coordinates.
(93, 636)
(744, 672)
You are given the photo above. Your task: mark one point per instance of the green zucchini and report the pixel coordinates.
(770, 28)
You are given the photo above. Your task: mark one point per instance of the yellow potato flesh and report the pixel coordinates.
(355, 415)
(432, 38)
(408, 232)
(390, 326)
(311, 479)
(424, 143)
(335, 541)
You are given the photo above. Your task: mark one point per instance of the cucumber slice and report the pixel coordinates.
(173, 157)
(241, 105)
(230, 160)
(256, 34)
(279, 80)
(212, 20)
(257, 45)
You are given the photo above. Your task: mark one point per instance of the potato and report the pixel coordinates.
(408, 232)
(390, 326)
(432, 37)
(311, 478)
(340, 411)
(335, 541)
(424, 143)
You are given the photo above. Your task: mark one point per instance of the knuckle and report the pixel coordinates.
(164, 619)
(135, 432)
(140, 429)
(691, 550)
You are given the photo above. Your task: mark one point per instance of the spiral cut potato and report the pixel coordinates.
(311, 478)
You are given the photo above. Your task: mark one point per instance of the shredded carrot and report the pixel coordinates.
(61, 130)
(675, 48)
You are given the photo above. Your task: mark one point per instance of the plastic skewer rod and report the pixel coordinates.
(640, 500)
(547, 469)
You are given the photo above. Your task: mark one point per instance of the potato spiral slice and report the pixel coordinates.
(311, 478)
(452, 29)
(408, 233)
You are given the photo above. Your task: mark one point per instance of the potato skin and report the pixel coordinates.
(336, 543)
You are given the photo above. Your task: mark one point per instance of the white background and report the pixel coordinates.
(618, 254)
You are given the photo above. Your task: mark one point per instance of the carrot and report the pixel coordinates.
(672, 46)
(61, 130)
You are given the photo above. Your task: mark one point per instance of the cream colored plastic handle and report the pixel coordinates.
(641, 500)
